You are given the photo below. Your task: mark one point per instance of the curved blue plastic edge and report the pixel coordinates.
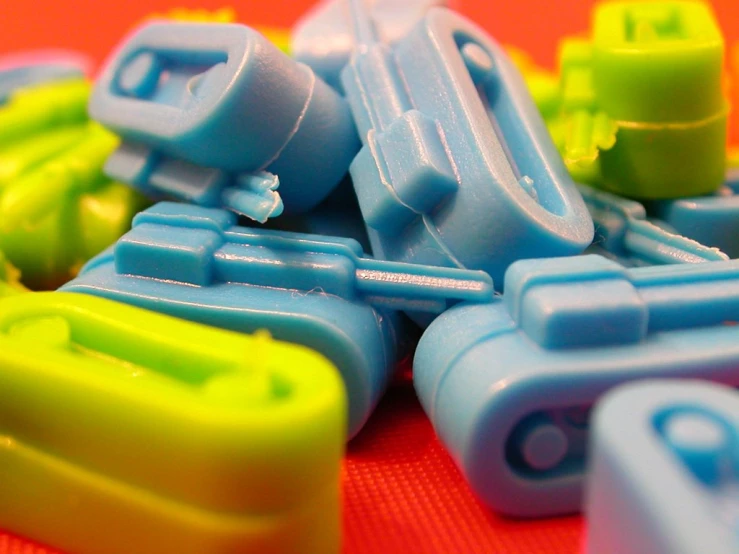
(664, 470)
(458, 168)
(223, 102)
(501, 380)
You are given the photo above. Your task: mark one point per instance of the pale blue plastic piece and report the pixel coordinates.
(712, 220)
(323, 38)
(508, 385)
(623, 234)
(457, 168)
(195, 263)
(218, 116)
(39, 66)
(664, 470)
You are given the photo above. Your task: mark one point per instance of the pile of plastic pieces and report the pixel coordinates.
(223, 246)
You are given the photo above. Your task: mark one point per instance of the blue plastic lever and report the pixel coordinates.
(664, 473)
(457, 167)
(508, 385)
(196, 263)
(218, 116)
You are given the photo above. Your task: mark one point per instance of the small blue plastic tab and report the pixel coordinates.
(664, 475)
(319, 291)
(711, 220)
(508, 385)
(457, 167)
(218, 116)
(624, 234)
(323, 37)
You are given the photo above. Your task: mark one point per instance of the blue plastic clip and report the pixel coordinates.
(623, 234)
(664, 475)
(711, 220)
(36, 67)
(508, 385)
(457, 168)
(195, 263)
(215, 115)
(323, 37)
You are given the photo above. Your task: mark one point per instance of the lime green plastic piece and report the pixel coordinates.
(543, 85)
(58, 215)
(643, 111)
(129, 431)
(39, 108)
(9, 278)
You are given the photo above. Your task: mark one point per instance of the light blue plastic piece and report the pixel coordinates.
(623, 234)
(36, 67)
(218, 116)
(712, 220)
(323, 37)
(664, 471)
(457, 168)
(195, 263)
(508, 385)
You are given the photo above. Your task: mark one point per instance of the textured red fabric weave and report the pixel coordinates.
(403, 494)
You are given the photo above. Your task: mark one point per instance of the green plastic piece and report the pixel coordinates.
(9, 278)
(39, 108)
(58, 215)
(642, 107)
(129, 431)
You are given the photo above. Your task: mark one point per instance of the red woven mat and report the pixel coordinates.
(403, 494)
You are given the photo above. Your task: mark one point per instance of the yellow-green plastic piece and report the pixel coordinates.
(643, 107)
(62, 212)
(128, 431)
(42, 107)
(9, 278)
(543, 85)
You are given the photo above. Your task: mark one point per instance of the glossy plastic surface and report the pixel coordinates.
(9, 278)
(120, 424)
(57, 209)
(508, 386)
(712, 220)
(454, 143)
(665, 470)
(37, 67)
(319, 291)
(218, 116)
(644, 100)
(623, 234)
(324, 39)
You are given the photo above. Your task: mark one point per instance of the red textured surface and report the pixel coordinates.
(403, 494)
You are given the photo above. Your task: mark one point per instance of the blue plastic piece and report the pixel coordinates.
(711, 220)
(195, 263)
(457, 168)
(664, 475)
(323, 37)
(33, 68)
(218, 116)
(623, 234)
(508, 385)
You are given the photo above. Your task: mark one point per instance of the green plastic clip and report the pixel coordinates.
(123, 427)
(642, 106)
(58, 215)
(39, 108)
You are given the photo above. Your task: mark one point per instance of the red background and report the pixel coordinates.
(402, 493)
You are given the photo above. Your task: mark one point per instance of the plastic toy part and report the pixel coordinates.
(323, 38)
(9, 278)
(41, 108)
(665, 470)
(646, 96)
(453, 142)
(318, 291)
(121, 423)
(711, 220)
(508, 385)
(36, 67)
(623, 234)
(215, 115)
(58, 214)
